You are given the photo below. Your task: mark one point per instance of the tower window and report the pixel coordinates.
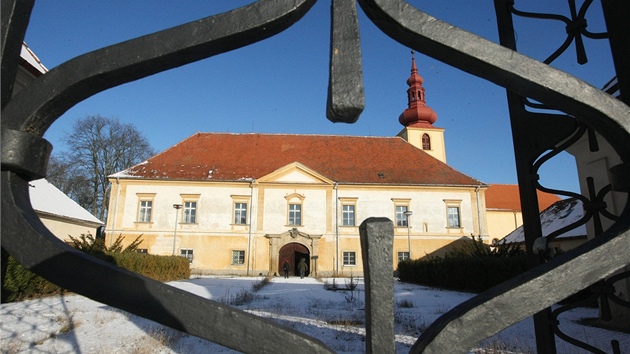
(426, 142)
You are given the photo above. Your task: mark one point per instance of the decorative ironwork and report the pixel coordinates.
(26, 117)
(24, 154)
(530, 160)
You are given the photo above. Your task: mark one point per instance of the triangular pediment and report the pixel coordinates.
(295, 173)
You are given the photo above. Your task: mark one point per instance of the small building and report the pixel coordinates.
(503, 208)
(553, 220)
(60, 214)
(245, 203)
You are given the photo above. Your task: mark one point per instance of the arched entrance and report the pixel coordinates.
(294, 252)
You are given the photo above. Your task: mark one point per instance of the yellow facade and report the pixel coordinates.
(221, 243)
(502, 222)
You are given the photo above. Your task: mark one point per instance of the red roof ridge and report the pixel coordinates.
(339, 158)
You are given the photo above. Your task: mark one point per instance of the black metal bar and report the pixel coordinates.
(33, 246)
(526, 78)
(27, 116)
(15, 16)
(616, 14)
(489, 312)
(377, 243)
(346, 98)
(34, 109)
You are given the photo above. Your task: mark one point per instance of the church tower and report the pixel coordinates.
(418, 119)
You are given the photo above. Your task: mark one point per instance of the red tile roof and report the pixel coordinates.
(506, 197)
(344, 159)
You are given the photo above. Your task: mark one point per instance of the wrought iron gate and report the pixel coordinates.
(25, 153)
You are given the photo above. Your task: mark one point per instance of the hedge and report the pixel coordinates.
(21, 284)
(470, 266)
(472, 274)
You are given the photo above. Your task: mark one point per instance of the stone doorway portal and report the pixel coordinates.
(293, 253)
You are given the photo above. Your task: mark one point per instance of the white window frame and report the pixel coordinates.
(400, 207)
(190, 212)
(295, 214)
(401, 219)
(403, 256)
(240, 213)
(348, 216)
(145, 210)
(349, 258)
(145, 203)
(350, 202)
(187, 199)
(454, 219)
(237, 211)
(295, 209)
(453, 204)
(187, 253)
(239, 256)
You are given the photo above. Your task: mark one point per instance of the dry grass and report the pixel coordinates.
(13, 347)
(504, 347)
(155, 338)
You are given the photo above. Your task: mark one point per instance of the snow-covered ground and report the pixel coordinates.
(75, 324)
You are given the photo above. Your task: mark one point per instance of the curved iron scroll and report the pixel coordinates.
(24, 154)
(488, 313)
(34, 109)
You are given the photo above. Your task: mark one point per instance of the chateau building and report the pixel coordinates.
(245, 203)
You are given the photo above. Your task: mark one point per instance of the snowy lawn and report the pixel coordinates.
(75, 324)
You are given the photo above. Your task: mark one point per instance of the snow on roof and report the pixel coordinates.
(27, 54)
(557, 216)
(48, 199)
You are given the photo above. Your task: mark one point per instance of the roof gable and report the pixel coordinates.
(295, 173)
(343, 159)
(46, 198)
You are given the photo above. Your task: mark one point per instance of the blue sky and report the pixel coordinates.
(279, 85)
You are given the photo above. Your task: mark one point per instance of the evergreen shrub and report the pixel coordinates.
(472, 266)
(160, 268)
(21, 284)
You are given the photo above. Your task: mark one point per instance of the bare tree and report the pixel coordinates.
(64, 174)
(97, 147)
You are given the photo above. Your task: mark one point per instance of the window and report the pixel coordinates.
(188, 253)
(240, 204)
(144, 213)
(190, 212)
(238, 257)
(349, 258)
(453, 216)
(240, 213)
(294, 209)
(347, 215)
(295, 214)
(401, 218)
(426, 142)
(403, 256)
